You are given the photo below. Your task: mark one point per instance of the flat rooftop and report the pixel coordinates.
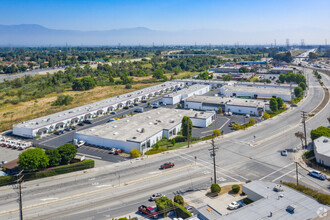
(85, 109)
(247, 102)
(208, 99)
(188, 90)
(322, 145)
(139, 127)
(305, 207)
(258, 89)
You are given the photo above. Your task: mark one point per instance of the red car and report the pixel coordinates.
(149, 211)
(167, 165)
(118, 151)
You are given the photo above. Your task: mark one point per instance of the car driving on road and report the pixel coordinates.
(155, 196)
(167, 165)
(317, 174)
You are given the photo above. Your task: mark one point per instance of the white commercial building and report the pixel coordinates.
(256, 92)
(322, 150)
(178, 96)
(143, 130)
(234, 105)
(69, 117)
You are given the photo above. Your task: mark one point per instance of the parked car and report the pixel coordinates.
(231, 123)
(136, 104)
(111, 120)
(149, 211)
(138, 110)
(80, 143)
(59, 132)
(163, 104)
(284, 153)
(118, 151)
(73, 127)
(68, 129)
(233, 205)
(113, 113)
(131, 106)
(155, 103)
(88, 122)
(167, 165)
(247, 116)
(112, 151)
(190, 209)
(317, 174)
(126, 107)
(155, 196)
(81, 124)
(155, 106)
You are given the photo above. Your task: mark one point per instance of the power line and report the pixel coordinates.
(212, 150)
(18, 186)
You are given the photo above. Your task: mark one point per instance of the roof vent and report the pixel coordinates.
(325, 141)
(115, 133)
(133, 137)
(115, 126)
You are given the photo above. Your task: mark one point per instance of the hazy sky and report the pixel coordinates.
(251, 15)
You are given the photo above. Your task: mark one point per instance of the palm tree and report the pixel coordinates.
(300, 135)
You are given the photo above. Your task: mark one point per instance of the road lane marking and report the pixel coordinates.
(283, 175)
(87, 155)
(276, 171)
(47, 199)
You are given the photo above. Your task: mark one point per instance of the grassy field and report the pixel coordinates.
(12, 114)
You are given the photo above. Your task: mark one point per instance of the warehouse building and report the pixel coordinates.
(220, 83)
(256, 92)
(73, 116)
(234, 105)
(143, 130)
(278, 70)
(178, 96)
(322, 150)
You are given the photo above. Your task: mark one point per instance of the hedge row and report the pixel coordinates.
(86, 164)
(321, 197)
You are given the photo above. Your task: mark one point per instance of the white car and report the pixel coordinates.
(80, 143)
(155, 196)
(233, 205)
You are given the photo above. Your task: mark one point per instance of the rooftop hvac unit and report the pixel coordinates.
(138, 130)
(171, 120)
(115, 126)
(325, 141)
(133, 137)
(115, 133)
(142, 130)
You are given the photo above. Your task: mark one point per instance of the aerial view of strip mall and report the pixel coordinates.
(171, 110)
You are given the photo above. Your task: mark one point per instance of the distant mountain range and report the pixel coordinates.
(36, 35)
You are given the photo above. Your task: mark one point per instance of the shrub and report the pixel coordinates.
(63, 100)
(178, 199)
(235, 188)
(128, 86)
(135, 153)
(179, 139)
(164, 205)
(181, 211)
(215, 188)
(155, 151)
(320, 131)
(173, 141)
(54, 157)
(67, 152)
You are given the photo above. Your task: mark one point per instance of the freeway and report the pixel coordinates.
(117, 189)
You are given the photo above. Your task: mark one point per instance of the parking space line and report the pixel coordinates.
(87, 155)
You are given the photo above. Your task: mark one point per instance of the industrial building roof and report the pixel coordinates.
(188, 90)
(246, 102)
(277, 203)
(138, 128)
(208, 99)
(259, 89)
(85, 109)
(322, 145)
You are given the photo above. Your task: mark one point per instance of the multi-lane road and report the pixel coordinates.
(117, 189)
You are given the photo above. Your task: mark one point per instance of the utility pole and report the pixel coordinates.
(297, 173)
(19, 192)
(212, 150)
(304, 120)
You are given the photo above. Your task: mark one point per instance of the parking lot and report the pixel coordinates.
(8, 154)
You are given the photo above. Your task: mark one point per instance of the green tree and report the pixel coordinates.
(215, 188)
(135, 153)
(178, 199)
(173, 141)
(227, 77)
(298, 91)
(244, 69)
(235, 188)
(302, 85)
(88, 82)
(54, 157)
(216, 132)
(280, 102)
(219, 110)
(63, 100)
(67, 152)
(158, 74)
(128, 86)
(252, 121)
(320, 131)
(273, 105)
(186, 121)
(33, 159)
